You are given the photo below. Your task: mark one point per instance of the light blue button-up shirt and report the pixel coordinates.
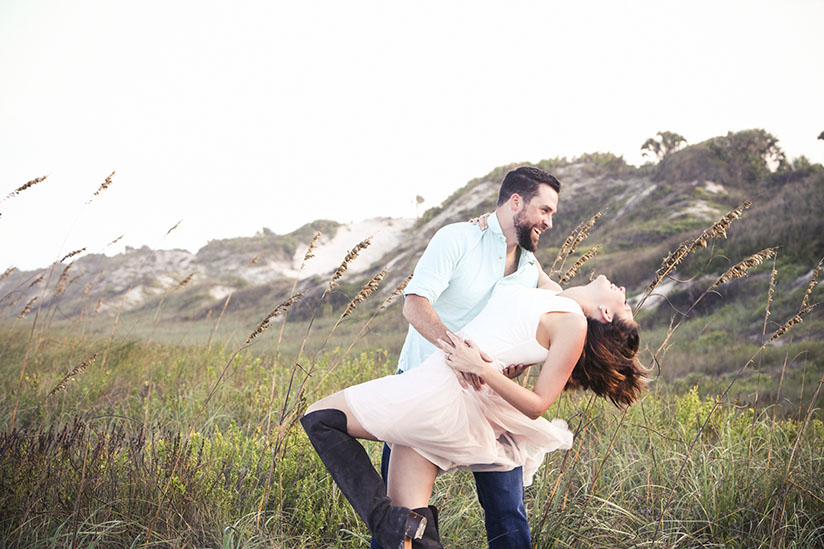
(457, 272)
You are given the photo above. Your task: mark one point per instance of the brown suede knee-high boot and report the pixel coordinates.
(350, 467)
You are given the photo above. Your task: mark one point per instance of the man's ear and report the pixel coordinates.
(516, 201)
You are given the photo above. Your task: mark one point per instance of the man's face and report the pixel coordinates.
(535, 217)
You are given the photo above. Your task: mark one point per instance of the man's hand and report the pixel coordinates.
(514, 370)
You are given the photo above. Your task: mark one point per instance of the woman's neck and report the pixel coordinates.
(582, 297)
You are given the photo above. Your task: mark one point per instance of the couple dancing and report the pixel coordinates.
(480, 308)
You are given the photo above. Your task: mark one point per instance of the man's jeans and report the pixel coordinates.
(502, 496)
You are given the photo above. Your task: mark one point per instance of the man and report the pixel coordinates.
(453, 281)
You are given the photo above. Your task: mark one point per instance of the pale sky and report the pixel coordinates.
(234, 116)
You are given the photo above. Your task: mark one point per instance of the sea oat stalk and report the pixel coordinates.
(306, 257)
(674, 258)
(25, 186)
(813, 283)
(353, 253)
(38, 280)
(176, 225)
(72, 254)
(103, 186)
(74, 372)
(741, 269)
(574, 269)
(310, 252)
(184, 281)
(6, 273)
(797, 319)
(280, 309)
(62, 283)
(573, 240)
(27, 308)
(364, 292)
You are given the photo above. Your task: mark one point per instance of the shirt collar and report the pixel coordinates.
(493, 223)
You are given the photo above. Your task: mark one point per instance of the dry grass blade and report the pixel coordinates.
(310, 252)
(99, 304)
(574, 269)
(282, 308)
(62, 284)
(365, 292)
(22, 188)
(797, 319)
(7, 273)
(716, 230)
(812, 284)
(72, 254)
(74, 372)
(176, 225)
(741, 269)
(353, 253)
(115, 241)
(255, 259)
(184, 281)
(27, 308)
(396, 292)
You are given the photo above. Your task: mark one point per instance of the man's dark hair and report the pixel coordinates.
(525, 181)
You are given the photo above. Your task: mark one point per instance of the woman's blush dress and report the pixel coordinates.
(455, 428)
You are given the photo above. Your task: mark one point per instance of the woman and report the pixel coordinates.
(584, 336)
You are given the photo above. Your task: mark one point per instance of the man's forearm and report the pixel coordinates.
(419, 312)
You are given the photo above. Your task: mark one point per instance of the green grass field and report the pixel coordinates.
(190, 445)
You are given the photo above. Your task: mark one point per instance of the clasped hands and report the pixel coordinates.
(469, 361)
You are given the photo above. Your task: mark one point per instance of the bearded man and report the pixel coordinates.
(452, 282)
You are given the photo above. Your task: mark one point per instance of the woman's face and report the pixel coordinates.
(613, 298)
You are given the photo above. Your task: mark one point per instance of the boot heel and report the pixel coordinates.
(415, 525)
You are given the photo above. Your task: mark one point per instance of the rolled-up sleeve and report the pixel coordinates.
(437, 264)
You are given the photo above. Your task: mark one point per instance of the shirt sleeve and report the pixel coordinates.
(438, 262)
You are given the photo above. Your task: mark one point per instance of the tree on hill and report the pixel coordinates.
(663, 144)
(752, 155)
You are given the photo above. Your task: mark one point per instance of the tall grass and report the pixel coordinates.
(175, 445)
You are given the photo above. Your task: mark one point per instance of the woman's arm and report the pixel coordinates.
(566, 333)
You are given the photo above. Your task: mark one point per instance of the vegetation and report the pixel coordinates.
(174, 424)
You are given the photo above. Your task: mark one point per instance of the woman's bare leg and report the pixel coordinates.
(338, 402)
(411, 478)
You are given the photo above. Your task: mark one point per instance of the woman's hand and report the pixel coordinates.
(481, 221)
(465, 357)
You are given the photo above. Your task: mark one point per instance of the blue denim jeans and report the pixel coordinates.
(502, 497)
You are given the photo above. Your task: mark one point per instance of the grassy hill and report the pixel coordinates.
(141, 410)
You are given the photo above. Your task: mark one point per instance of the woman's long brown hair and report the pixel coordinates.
(608, 365)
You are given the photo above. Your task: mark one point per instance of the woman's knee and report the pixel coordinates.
(332, 402)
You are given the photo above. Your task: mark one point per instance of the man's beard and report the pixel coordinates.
(524, 233)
